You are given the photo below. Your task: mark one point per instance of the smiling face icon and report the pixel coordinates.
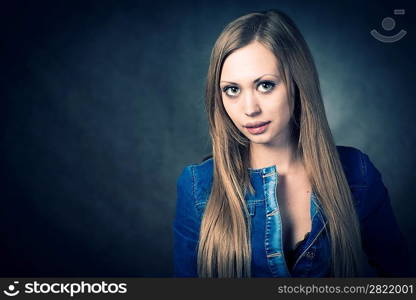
(11, 291)
(389, 24)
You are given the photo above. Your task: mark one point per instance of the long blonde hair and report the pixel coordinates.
(224, 246)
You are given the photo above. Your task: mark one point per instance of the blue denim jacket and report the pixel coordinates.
(383, 242)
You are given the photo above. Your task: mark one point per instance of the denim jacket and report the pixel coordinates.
(383, 242)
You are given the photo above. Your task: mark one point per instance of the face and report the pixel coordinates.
(253, 93)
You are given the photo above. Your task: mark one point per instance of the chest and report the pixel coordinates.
(294, 199)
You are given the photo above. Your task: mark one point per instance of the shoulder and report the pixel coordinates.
(358, 168)
(364, 179)
(351, 160)
(196, 173)
(196, 180)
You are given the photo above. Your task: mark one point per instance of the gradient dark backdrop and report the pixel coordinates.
(102, 107)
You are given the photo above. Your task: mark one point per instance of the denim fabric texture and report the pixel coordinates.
(383, 243)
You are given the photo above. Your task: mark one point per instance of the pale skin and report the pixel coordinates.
(246, 100)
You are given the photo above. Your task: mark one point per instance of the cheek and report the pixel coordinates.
(232, 112)
(281, 104)
(279, 113)
(278, 109)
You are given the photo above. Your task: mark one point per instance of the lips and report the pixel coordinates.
(259, 128)
(256, 124)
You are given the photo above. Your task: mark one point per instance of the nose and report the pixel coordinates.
(251, 105)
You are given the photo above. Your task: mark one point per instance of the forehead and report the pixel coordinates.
(248, 63)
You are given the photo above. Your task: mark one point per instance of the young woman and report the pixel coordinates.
(278, 198)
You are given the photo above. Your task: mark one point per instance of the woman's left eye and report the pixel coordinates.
(266, 86)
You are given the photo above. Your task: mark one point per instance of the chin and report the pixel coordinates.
(260, 140)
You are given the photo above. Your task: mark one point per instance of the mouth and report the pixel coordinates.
(258, 128)
(256, 124)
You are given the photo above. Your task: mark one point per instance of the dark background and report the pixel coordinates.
(102, 107)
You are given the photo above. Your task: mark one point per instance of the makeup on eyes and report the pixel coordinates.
(262, 83)
(257, 81)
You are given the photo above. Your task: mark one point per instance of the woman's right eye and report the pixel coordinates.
(231, 91)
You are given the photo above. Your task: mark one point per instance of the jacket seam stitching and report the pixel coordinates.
(193, 186)
(364, 170)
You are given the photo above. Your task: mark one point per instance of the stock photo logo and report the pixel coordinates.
(69, 288)
(11, 291)
(388, 24)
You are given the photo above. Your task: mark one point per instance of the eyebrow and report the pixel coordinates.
(255, 80)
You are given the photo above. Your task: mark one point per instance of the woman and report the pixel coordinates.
(278, 198)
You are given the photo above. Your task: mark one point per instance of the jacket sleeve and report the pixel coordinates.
(383, 242)
(185, 227)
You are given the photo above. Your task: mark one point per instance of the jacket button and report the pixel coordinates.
(310, 254)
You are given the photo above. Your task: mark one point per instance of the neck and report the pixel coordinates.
(282, 154)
